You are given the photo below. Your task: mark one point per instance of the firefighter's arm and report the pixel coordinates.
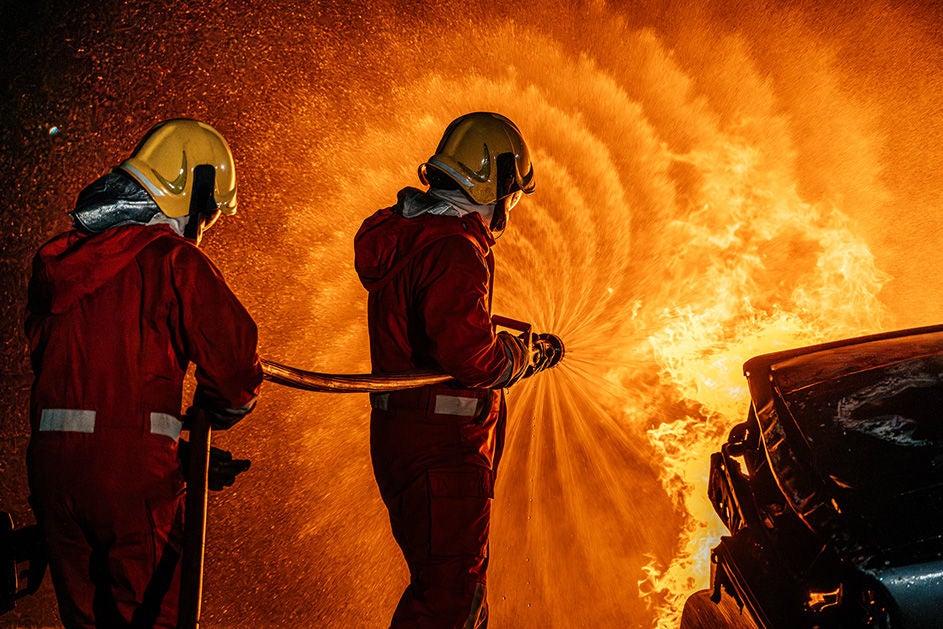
(545, 352)
(219, 337)
(454, 303)
(517, 352)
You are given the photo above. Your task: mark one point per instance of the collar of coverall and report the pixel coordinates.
(178, 224)
(443, 203)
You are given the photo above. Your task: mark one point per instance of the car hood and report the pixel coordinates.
(854, 435)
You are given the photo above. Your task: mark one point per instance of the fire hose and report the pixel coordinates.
(548, 345)
(347, 383)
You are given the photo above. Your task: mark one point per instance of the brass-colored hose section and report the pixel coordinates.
(348, 383)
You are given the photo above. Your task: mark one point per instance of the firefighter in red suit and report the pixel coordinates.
(428, 267)
(118, 307)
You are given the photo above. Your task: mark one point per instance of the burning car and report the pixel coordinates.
(832, 489)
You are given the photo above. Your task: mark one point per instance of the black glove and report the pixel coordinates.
(223, 468)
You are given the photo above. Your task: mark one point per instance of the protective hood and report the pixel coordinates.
(387, 240)
(111, 200)
(116, 199)
(76, 263)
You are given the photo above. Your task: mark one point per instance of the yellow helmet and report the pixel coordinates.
(165, 160)
(485, 154)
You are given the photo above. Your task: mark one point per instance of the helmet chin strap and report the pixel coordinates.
(507, 197)
(202, 204)
(499, 219)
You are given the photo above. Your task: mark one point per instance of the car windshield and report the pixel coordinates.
(878, 435)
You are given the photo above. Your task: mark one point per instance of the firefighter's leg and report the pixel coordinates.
(144, 561)
(70, 561)
(70, 557)
(441, 522)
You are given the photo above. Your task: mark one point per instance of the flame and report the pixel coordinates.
(730, 315)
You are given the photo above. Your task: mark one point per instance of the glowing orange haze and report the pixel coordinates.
(710, 187)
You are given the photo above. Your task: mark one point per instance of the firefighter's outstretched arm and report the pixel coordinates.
(528, 354)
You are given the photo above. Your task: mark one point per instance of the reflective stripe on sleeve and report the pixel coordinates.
(245, 408)
(456, 405)
(67, 420)
(167, 425)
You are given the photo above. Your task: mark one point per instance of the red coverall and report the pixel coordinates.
(436, 450)
(113, 320)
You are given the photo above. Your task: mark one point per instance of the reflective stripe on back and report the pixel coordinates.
(67, 420)
(167, 425)
(456, 405)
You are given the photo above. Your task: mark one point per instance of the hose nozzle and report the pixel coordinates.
(550, 346)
